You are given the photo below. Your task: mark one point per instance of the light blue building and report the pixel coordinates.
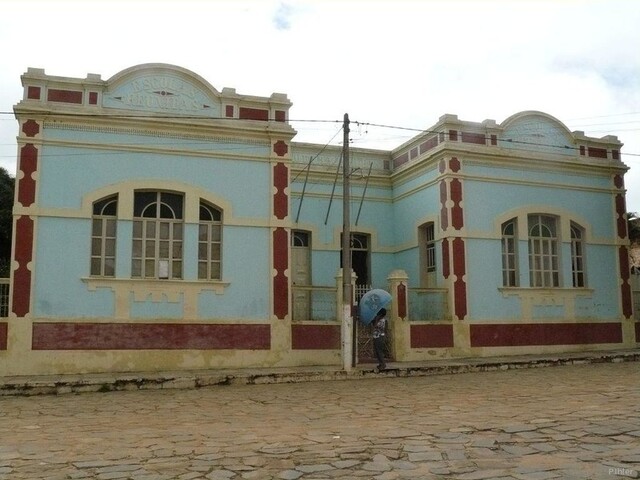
(163, 224)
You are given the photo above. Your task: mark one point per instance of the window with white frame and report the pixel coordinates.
(427, 247)
(157, 235)
(210, 242)
(509, 253)
(543, 251)
(103, 237)
(577, 255)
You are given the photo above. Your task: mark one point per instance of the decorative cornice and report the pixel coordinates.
(56, 125)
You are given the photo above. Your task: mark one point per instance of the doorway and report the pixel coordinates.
(301, 275)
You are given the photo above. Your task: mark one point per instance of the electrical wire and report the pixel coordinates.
(358, 123)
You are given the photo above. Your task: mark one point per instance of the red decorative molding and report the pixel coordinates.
(494, 140)
(618, 181)
(146, 336)
(281, 116)
(446, 268)
(457, 217)
(33, 93)
(444, 211)
(458, 257)
(454, 164)
(280, 148)
(459, 285)
(413, 153)
(253, 114)
(3, 335)
(615, 154)
(623, 258)
(402, 159)
(30, 128)
(280, 264)
(315, 337)
(429, 144)
(625, 287)
(621, 210)
(477, 138)
(530, 334)
(229, 111)
(453, 135)
(431, 336)
(597, 152)
(93, 98)
(64, 96)
(401, 297)
(28, 166)
(280, 182)
(22, 255)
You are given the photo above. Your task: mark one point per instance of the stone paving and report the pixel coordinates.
(569, 422)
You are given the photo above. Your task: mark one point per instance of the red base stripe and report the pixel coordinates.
(315, 337)
(128, 336)
(512, 335)
(431, 336)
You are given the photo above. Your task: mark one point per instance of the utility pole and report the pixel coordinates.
(347, 320)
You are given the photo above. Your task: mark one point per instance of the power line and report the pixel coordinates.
(318, 154)
(394, 127)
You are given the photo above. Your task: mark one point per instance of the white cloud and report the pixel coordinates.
(394, 62)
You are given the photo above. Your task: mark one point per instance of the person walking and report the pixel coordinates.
(379, 330)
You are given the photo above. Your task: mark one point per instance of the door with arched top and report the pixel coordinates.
(301, 274)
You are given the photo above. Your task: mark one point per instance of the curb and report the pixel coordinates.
(110, 382)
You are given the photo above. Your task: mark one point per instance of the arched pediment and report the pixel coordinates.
(537, 131)
(162, 88)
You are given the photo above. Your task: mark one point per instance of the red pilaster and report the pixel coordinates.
(623, 253)
(625, 285)
(28, 166)
(459, 285)
(3, 335)
(446, 268)
(444, 211)
(24, 226)
(22, 255)
(280, 182)
(280, 281)
(621, 210)
(457, 218)
(401, 295)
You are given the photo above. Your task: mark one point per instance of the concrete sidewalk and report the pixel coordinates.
(114, 381)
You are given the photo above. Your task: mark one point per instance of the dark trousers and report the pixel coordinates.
(378, 348)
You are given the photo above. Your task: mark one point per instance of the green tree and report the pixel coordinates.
(7, 186)
(633, 227)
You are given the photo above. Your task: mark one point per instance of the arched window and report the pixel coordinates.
(509, 253)
(210, 242)
(103, 237)
(157, 235)
(577, 255)
(543, 251)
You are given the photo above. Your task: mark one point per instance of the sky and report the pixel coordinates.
(401, 63)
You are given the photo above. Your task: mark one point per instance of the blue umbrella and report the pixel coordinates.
(371, 303)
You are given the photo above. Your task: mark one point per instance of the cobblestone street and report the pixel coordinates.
(570, 422)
